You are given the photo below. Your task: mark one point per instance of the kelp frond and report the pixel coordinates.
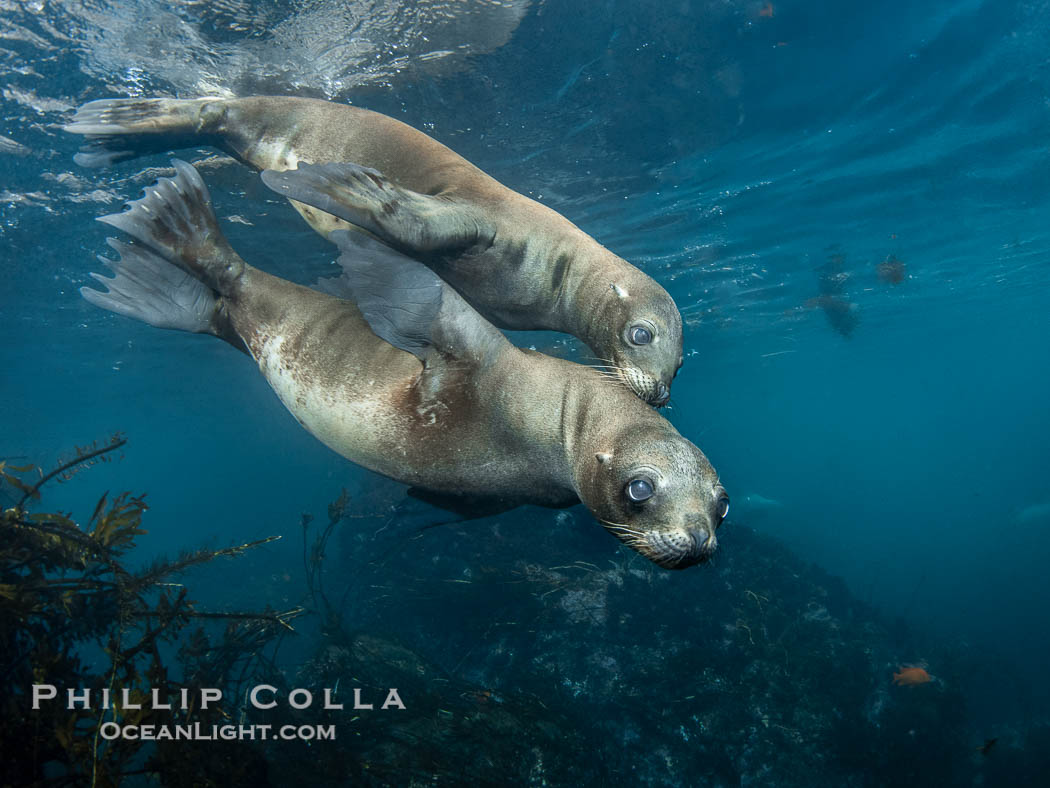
(64, 585)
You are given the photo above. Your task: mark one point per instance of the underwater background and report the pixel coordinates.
(849, 203)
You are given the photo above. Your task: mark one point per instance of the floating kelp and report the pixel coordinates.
(66, 591)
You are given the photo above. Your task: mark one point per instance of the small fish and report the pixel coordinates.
(986, 748)
(767, 11)
(911, 676)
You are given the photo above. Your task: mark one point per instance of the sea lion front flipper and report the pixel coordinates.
(398, 297)
(468, 507)
(407, 304)
(418, 224)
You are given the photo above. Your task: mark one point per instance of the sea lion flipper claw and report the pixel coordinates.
(418, 224)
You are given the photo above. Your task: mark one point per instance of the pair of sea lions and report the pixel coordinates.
(402, 375)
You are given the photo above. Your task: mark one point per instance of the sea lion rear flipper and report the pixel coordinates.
(418, 224)
(174, 276)
(148, 288)
(407, 304)
(123, 128)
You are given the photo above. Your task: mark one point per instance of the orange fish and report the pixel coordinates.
(908, 676)
(767, 11)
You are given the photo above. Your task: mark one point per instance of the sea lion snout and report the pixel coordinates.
(681, 549)
(649, 388)
(663, 394)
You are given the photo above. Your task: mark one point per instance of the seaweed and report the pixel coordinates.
(75, 616)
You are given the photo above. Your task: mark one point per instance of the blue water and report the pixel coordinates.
(738, 157)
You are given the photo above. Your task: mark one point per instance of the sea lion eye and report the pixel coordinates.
(723, 507)
(640, 335)
(639, 490)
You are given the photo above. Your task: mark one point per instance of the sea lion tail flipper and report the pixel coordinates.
(174, 218)
(415, 223)
(407, 304)
(152, 290)
(120, 129)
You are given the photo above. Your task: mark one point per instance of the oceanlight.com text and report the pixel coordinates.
(197, 732)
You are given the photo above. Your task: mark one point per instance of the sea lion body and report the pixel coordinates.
(464, 414)
(436, 428)
(520, 264)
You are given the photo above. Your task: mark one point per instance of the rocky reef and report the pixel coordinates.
(526, 650)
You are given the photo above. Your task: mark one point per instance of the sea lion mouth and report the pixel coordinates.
(681, 549)
(645, 386)
(663, 394)
(667, 549)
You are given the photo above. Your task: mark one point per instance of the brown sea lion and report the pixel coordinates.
(409, 381)
(517, 262)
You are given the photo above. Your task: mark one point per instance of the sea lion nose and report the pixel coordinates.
(686, 547)
(704, 541)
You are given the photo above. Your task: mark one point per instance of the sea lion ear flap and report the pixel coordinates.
(602, 457)
(398, 297)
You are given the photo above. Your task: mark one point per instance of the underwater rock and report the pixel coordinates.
(452, 733)
(760, 670)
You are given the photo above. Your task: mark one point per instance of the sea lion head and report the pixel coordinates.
(642, 333)
(657, 493)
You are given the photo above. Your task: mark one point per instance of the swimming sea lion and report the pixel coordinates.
(519, 263)
(412, 383)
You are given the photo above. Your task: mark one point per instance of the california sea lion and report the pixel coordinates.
(519, 263)
(443, 402)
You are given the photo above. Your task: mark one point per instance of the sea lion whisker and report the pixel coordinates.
(621, 527)
(611, 373)
(628, 535)
(613, 378)
(633, 542)
(627, 532)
